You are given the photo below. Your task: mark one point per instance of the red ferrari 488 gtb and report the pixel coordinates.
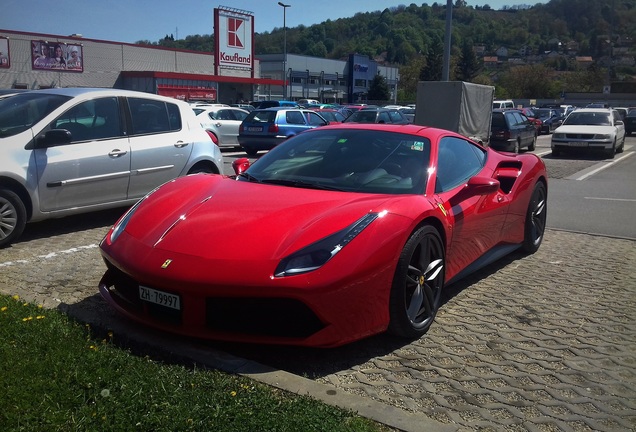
(336, 234)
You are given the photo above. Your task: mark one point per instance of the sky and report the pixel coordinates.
(134, 20)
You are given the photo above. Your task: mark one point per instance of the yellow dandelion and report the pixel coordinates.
(233, 393)
(16, 297)
(4, 308)
(27, 319)
(40, 317)
(40, 306)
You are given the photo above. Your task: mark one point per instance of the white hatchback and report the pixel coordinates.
(75, 150)
(222, 122)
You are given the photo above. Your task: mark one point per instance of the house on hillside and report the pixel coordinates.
(584, 61)
(491, 62)
(502, 52)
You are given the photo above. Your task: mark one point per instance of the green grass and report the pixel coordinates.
(56, 376)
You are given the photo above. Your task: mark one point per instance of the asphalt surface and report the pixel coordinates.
(545, 342)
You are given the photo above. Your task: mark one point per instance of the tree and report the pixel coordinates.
(432, 70)
(467, 65)
(379, 89)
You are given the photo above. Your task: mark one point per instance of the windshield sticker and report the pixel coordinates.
(418, 145)
(342, 140)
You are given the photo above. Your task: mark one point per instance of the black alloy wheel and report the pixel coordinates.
(12, 217)
(417, 284)
(535, 219)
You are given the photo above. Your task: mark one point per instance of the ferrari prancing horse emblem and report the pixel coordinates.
(166, 263)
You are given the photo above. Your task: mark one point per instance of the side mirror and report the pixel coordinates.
(240, 165)
(476, 186)
(53, 137)
(481, 185)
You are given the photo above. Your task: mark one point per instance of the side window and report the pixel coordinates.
(519, 119)
(314, 119)
(224, 115)
(239, 115)
(383, 117)
(395, 116)
(457, 161)
(149, 116)
(295, 117)
(92, 120)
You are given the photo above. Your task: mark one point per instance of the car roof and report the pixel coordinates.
(594, 110)
(75, 92)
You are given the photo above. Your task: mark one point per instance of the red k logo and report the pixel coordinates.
(233, 28)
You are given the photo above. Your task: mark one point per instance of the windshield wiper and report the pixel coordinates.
(249, 177)
(301, 184)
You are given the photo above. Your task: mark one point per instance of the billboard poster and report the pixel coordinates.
(233, 36)
(57, 56)
(5, 61)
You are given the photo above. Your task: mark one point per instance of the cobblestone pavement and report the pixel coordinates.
(545, 342)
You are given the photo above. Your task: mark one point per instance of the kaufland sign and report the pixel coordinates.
(233, 36)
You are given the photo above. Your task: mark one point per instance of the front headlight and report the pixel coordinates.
(120, 226)
(604, 137)
(317, 254)
(558, 136)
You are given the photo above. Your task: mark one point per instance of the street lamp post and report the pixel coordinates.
(284, 6)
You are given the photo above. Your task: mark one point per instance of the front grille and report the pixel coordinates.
(579, 136)
(280, 317)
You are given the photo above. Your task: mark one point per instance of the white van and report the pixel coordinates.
(503, 104)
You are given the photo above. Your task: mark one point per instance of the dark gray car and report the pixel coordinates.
(511, 131)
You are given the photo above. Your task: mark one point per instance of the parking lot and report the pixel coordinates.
(545, 342)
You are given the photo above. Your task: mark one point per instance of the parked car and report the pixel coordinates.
(622, 111)
(222, 123)
(550, 119)
(590, 129)
(377, 115)
(408, 112)
(532, 116)
(74, 150)
(263, 129)
(275, 103)
(630, 121)
(512, 131)
(338, 233)
(332, 115)
(503, 104)
(244, 106)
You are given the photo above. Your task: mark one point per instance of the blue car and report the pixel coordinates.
(264, 129)
(550, 119)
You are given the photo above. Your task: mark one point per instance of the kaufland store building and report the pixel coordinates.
(229, 75)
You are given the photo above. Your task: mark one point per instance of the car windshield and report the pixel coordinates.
(362, 116)
(353, 160)
(19, 112)
(588, 118)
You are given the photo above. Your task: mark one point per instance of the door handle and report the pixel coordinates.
(217, 124)
(180, 144)
(117, 153)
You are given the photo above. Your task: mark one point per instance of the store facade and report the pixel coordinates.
(38, 61)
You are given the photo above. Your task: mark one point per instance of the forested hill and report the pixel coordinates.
(396, 34)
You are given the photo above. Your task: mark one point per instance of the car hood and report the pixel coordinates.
(220, 218)
(585, 129)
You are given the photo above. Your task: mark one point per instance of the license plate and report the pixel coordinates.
(159, 297)
(254, 129)
(577, 144)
